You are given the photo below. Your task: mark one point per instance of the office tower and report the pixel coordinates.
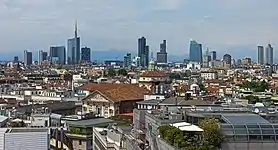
(16, 59)
(85, 54)
(269, 55)
(143, 52)
(73, 52)
(246, 61)
(42, 56)
(227, 59)
(260, 55)
(57, 54)
(28, 58)
(206, 59)
(127, 60)
(195, 51)
(213, 55)
(162, 54)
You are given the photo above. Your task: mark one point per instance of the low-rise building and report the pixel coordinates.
(108, 100)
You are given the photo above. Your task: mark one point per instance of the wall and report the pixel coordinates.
(26, 141)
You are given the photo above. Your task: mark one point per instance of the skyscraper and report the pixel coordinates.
(57, 54)
(260, 55)
(127, 60)
(213, 55)
(73, 52)
(227, 58)
(206, 59)
(42, 56)
(28, 58)
(143, 52)
(162, 54)
(195, 51)
(16, 59)
(85, 54)
(269, 55)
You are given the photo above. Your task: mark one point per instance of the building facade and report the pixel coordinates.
(42, 56)
(269, 54)
(195, 51)
(227, 58)
(162, 54)
(85, 54)
(73, 51)
(58, 54)
(260, 55)
(213, 55)
(143, 52)
(28, 58)
(127, 60)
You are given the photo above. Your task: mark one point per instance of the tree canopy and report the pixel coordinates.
(212, 134)
(260, 86)
(111, 72)
(122, 72)
(210, 139)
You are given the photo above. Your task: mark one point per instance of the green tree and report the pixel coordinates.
(122, 72)
(111, 72)
(212, 135)
(252, 99)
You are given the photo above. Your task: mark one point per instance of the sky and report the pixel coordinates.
(227, 26)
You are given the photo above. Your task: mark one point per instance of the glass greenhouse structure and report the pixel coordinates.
(248, 127)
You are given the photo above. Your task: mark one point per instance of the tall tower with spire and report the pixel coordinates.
(73, 51)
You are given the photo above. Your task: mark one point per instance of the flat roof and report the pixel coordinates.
(89, 122)
(18, 130)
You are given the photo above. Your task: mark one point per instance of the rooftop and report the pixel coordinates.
(118, 92)
(90, 122)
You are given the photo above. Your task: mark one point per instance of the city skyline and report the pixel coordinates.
(53, 28)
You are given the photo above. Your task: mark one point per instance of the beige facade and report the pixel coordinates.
(100, 105)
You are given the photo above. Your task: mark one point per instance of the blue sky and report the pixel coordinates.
(234, 26)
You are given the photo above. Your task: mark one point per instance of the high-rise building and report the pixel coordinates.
(85, 54)
(73, 52)
(206, 59)
(246, 61)
(162, 54)
(213, 55)
(16, 59)
(57, 54)
(143, 52)
(127, 60)
(28, 58)
(42, 56)
(195, 51)
(260, 55)
(227, 59)
(269, 55)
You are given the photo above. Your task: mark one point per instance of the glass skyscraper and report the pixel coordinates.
(269, 55)
(85, 54)
(161, 56)
(73, 52)
(57, 54)
(195, 51)
(260, 55)
(28, 58)
(143, 52)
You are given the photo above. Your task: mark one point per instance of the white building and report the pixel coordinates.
(24, 138)
(209, 75)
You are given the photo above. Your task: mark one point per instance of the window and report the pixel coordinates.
(80, 142)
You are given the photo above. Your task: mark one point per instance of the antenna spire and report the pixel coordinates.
(75, 32)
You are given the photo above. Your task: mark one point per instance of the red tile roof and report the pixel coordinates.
(153, 74)
(118, 92)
